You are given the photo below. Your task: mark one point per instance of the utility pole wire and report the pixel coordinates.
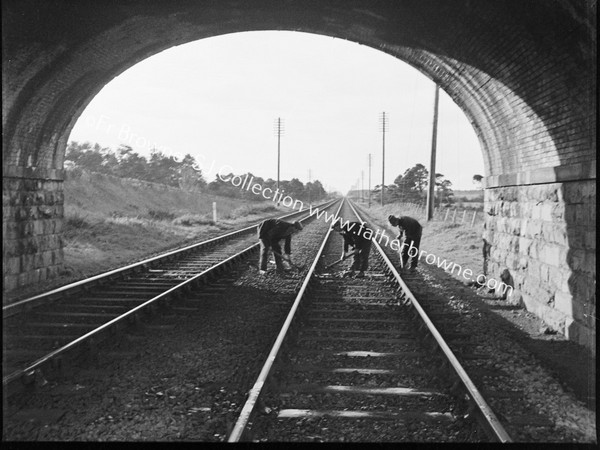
(279, 131)
(369, 180)
(383, 120)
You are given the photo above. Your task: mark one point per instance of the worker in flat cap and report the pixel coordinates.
(354, 239)
(411, 230)
(270, 233)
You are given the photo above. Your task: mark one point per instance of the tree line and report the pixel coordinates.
(411, 187)
(169, 170)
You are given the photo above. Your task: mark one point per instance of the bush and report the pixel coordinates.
(161, 215)
(246, 210)
(190, 220)
(76, 221)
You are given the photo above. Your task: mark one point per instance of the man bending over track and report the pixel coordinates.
(270, 232)
(352, 233)
(412, 230)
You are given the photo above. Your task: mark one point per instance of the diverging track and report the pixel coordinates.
(40, 332)
(359, 360)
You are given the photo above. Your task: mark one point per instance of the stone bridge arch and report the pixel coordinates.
(523, 72)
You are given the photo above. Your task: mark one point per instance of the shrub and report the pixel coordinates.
(161, 215)
(190, 220)
(76, 221)
(246, 210)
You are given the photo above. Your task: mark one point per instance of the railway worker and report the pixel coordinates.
(270, 232)
(411, 229)
(354, 239)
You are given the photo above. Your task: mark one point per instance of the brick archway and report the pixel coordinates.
(523, 72)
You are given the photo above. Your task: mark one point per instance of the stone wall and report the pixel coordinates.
(545, 237)
(32, 213)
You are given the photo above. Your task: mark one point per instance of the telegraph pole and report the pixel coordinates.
(431, 187)
(383, 120)
(309, 187)
(369, 180)
(362, 185)
(279, 131)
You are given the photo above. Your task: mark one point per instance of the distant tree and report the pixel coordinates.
(163, 169)
(190, 177)
(131, 164)
(295, 188)
(410, 186)
(478, 181)
(444, 191)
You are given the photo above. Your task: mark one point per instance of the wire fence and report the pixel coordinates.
(450, 214)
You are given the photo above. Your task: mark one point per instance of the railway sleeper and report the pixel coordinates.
(376, 415)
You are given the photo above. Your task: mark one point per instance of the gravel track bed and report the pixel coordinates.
(179, 377)
(517, 369)
(309, 371)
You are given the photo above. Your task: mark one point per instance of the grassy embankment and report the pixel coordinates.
(111, 222)
(455, 242)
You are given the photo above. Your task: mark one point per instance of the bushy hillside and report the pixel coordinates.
(112, 221)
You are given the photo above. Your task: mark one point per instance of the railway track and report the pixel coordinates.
(42, 332)
(360, 360)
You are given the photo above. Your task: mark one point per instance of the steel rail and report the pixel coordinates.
(484, 409)
(16, 307)
(255, 392)
(32, 367)
(71, 345)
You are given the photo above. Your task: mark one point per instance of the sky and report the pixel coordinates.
(219, 98)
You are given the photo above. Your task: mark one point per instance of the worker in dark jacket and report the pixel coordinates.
(412, 230)
(270, 232)
(353, 234)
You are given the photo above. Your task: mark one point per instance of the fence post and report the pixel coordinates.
(454, 215)
(473, 219)
(215, 212)
(447, 212)
(463, 217)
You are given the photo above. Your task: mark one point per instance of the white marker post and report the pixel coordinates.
(215, 212)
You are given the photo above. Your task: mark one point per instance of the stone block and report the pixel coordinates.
(551, 255)
(512, 261)
(37, 227)
(10, 282)
(564, 303)
(590, 263)
(524, 245)
(582, 214)
(546, 212)
(581, 311)
(514, 209)
(522, 263)
(576, 259)
(49, 198)
(555, 276)
(23, 279)
(576, 237)
(12, 265)
(515, 226)
(558, 211)
(544, 272)
(534, 229)
(588, 190)
(47, 258)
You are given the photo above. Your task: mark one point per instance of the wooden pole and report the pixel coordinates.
(431, 187)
